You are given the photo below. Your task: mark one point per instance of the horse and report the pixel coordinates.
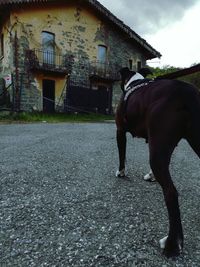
(162, 111)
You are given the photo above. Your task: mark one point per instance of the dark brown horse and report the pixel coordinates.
(163, 112)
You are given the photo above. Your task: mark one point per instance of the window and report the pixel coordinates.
(102, 53)
(130, 64)
(48, 47)
(2, 46)
(139, 65)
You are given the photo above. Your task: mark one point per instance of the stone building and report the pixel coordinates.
(58, 55)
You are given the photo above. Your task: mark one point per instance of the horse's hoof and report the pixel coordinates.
(171, 252)
(171, 248)
(149, 177)
(120, 174)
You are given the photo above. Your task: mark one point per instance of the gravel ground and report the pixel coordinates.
(61, 204)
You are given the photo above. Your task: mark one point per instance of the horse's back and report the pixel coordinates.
(166, 93)
(164, 104)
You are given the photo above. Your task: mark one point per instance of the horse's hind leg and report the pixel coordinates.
(121, 143)
(160, 154)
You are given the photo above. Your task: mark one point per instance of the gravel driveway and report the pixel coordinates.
(61, 204)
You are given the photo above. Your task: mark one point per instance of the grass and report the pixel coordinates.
(24, 117)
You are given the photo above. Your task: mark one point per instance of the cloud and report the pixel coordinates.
(148, 16)
(178, 43)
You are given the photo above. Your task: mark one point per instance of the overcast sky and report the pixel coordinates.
(170, 26)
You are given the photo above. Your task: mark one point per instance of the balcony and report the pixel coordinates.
(43, 60)
(104, 71)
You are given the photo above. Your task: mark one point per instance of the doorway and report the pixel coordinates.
(48, 90)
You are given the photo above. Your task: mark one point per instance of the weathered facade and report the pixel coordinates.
(57, 55)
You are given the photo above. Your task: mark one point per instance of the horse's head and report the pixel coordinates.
(126, 74)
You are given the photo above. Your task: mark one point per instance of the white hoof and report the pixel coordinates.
(120, 173)
(162, 242)
(149, 177)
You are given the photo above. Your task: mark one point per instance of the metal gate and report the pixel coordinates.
(87, 99)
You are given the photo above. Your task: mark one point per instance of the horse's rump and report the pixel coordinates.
(162, 102)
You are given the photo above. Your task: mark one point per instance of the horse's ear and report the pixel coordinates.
(124, 72)
(145, 71)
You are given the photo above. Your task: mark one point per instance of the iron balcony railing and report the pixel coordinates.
(48, 61)
(107, 71)
(38, 59)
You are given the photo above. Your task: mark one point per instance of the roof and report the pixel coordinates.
(152, 53)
